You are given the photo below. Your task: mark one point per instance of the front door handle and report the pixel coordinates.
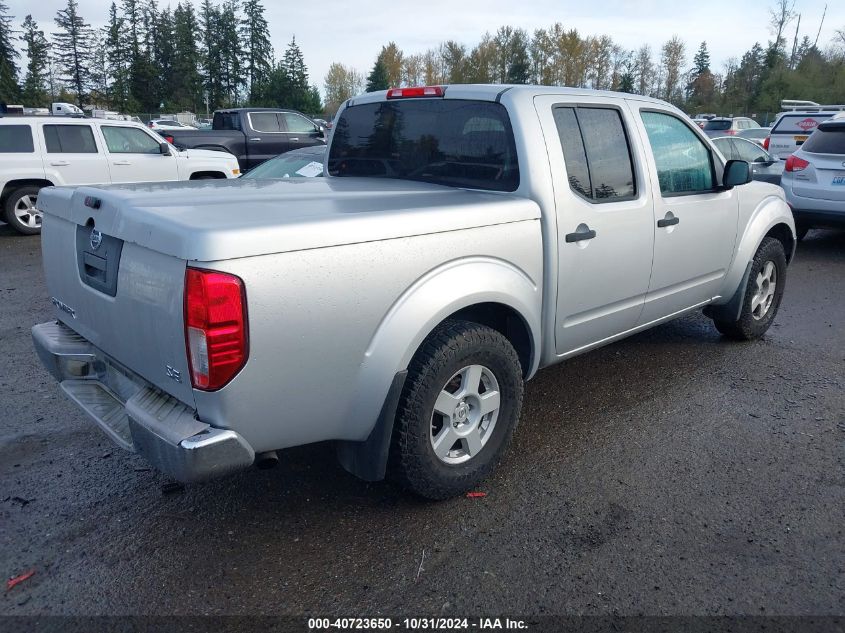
(669, 220)
(579, 236)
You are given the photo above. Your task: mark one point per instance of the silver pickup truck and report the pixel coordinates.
(464, 238)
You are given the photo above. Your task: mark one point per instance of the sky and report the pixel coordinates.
(353, 31)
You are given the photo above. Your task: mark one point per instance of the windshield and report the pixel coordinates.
(717, 125)
(288, 167)
(445, 141)
(826, 140)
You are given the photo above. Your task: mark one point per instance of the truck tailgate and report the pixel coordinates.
(125, 299)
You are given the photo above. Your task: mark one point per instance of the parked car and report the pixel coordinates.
(326, 125)
(757, 135)
(253, 134)
(793, 127)
(701, 119)
(304, 163)
(168, 124)
(763, 166)
(728, 126)
(42, 151)
(814, 178)
(399, 315)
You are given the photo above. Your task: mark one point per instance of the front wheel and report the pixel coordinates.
(762, 295)
(21, 212)
(458, 410)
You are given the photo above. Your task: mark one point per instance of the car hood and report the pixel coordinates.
(205, 154)
(224, 219)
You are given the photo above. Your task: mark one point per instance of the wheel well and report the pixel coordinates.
(506, 320)
(782, 233)
(15, 184)
(207, 174)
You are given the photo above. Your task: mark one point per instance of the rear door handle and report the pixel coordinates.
(257, 138)
(121, 162)
(296, 138)
(580, 236)
(59, 163)
(669, 220)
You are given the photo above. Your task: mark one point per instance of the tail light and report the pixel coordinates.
(215, 327)
(730, 132)
(168, 138)
(766, 143)
(793, 163)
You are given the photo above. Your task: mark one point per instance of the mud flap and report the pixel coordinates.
(367, 460)
(731, 310)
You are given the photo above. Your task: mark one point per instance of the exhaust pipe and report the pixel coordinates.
(266, 460)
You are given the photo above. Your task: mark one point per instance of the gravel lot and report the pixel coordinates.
(672, 473)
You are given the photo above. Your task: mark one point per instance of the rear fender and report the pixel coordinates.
(434, 297)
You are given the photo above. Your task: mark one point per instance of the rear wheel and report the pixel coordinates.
(762, 295)
(458, 410)
(21, 212)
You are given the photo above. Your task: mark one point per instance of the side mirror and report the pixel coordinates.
(737, 172)
(164, 148)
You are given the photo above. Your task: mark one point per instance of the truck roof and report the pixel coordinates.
(494, 92)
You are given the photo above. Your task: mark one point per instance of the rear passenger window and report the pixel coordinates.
(69, 139)
(264, 122)
(16, 139)
(683, 161)
(596, 152)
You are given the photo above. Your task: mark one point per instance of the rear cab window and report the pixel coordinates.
(16, 139)
(69, 139)
(226, 121)
(455, 142)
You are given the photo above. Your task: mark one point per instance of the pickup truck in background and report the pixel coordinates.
(463, 238)
(253, 135)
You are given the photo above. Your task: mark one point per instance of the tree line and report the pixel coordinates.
(147, 58)
(782, 68)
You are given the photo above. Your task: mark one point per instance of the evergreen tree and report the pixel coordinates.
(98, 70)
(231, 55)
(72, 49)
(377, 79)
(8, 55)
(210, 54)
(117, 60)
(258, 51)
(701, 61)
(162, 55)
(38, 56)
(185, 82)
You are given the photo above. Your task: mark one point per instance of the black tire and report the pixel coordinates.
(748, 327)
(9, 210)
(452, 346)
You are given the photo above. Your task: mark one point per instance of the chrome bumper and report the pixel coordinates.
(136, 415)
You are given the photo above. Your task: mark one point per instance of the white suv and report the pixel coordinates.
(38, 152)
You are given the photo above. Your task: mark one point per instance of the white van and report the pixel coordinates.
(794, 125)
(38, 152)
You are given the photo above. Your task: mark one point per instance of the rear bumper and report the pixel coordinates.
(137, 416)
(815, 210)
